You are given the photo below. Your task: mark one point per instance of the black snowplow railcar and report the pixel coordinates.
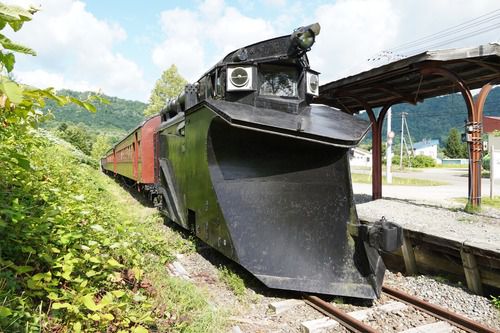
(254, 169)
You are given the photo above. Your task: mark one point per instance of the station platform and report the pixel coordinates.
(442, 240)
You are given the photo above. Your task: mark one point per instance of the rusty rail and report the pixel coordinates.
(346, 320)
(453, 318)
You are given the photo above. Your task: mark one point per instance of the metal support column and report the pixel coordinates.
(475, 116)
(377, 124)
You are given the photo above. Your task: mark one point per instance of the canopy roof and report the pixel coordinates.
(402, 81)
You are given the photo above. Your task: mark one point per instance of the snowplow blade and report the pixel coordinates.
(288, 206)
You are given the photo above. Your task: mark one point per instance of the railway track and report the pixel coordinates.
(353, 321)
(394, 312)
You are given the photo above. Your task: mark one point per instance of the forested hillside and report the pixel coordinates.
(116, 117)
(434, 118)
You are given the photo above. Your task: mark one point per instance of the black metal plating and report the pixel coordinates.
(265, 179)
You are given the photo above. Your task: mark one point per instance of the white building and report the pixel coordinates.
(361, 157)
(426, 148)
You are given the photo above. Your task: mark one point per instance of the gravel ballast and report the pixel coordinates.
(250, 313)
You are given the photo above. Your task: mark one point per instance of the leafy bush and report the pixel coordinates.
(419, 161)
(486, 162)
(74, 259)
(78, 135)
(64, 250)
(495, 301)
(422, 161)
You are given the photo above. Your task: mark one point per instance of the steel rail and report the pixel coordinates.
(442, 313)
(345, 319)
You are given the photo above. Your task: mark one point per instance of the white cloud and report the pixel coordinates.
(41, 78)
(426, 17)
(212, 8)
(233, 30)
(189, 57)
(75, 50)
(277, 3)
(351, 31)
(196, 39)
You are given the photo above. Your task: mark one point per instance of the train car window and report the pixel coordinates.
(221, 79)
(210, 87)
(203, 89)
(278, 81)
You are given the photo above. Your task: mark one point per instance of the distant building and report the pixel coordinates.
(490, 125)
(361, 157)
(426, 148)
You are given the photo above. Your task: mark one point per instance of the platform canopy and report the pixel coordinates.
(402, 81)
(413, 79)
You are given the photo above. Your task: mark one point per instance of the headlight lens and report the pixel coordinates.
(306, 40)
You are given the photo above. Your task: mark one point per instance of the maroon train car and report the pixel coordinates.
(133, 157)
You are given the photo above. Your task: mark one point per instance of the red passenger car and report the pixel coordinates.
(133, 157)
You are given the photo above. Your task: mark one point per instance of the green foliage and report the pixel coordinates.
(421, 161)
(486, 162)
(454, 147)
(232, 280)
(14, 16)
(169, 85)
(52, 230)
(78, 135)
(495, 301)
(20, 105)
(101, 145)
(183, 307)
(116, 116)
(60, 251)
(436, 116)
(73, 258)
(396, 160)
(491, 202)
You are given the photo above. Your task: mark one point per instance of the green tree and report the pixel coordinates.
(78, 135)
(169, 85)
(454, 147)
(101, 145)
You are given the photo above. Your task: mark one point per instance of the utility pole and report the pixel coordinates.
(403, 120)
(388, 152)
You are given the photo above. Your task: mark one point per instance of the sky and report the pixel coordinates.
(121, 47)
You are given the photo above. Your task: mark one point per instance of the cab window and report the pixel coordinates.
(278, 81)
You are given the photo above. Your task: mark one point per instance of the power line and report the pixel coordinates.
(458, 38)
(451, 30)
(453, 34)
